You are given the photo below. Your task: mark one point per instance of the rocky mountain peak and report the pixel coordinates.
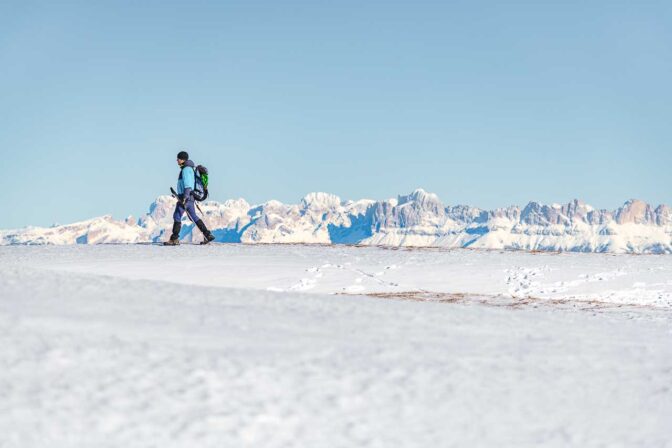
(320, 201)
(635, 211)
(420, 197)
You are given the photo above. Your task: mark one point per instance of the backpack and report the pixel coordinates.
(200, 192)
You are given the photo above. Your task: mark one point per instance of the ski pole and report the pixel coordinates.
(199, 208)
(202, 214)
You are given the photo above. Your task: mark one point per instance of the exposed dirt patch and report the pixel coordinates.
(514, 302)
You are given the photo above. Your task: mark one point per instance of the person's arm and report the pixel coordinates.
(188, 180)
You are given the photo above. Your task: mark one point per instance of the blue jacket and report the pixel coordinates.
(186, 180)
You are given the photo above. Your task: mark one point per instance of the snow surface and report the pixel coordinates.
(269, 346)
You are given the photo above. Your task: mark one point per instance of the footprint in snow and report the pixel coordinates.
(303, 285)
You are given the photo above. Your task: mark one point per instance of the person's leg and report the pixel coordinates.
(175, 235)
(179, 212)
(191, 211)
(199, 222)
(177, 221)
(206, 233)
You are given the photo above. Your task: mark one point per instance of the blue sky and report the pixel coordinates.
(484, 103)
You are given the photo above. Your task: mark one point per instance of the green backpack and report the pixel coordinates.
(200, 192)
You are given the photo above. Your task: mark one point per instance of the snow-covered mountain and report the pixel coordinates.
(416, 219)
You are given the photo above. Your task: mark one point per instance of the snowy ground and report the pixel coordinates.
(233, 345)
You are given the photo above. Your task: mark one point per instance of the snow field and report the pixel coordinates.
(638, 280)
(126, 346)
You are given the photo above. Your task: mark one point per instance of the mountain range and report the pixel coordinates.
(417, 219)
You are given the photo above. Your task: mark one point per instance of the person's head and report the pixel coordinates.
(182, 157)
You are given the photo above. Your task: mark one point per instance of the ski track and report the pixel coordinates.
(117, 346)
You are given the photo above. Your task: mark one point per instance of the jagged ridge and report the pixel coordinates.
(416, 219)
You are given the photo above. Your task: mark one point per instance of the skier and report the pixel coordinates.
(185, 201)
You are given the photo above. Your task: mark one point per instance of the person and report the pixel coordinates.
(185, 201)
